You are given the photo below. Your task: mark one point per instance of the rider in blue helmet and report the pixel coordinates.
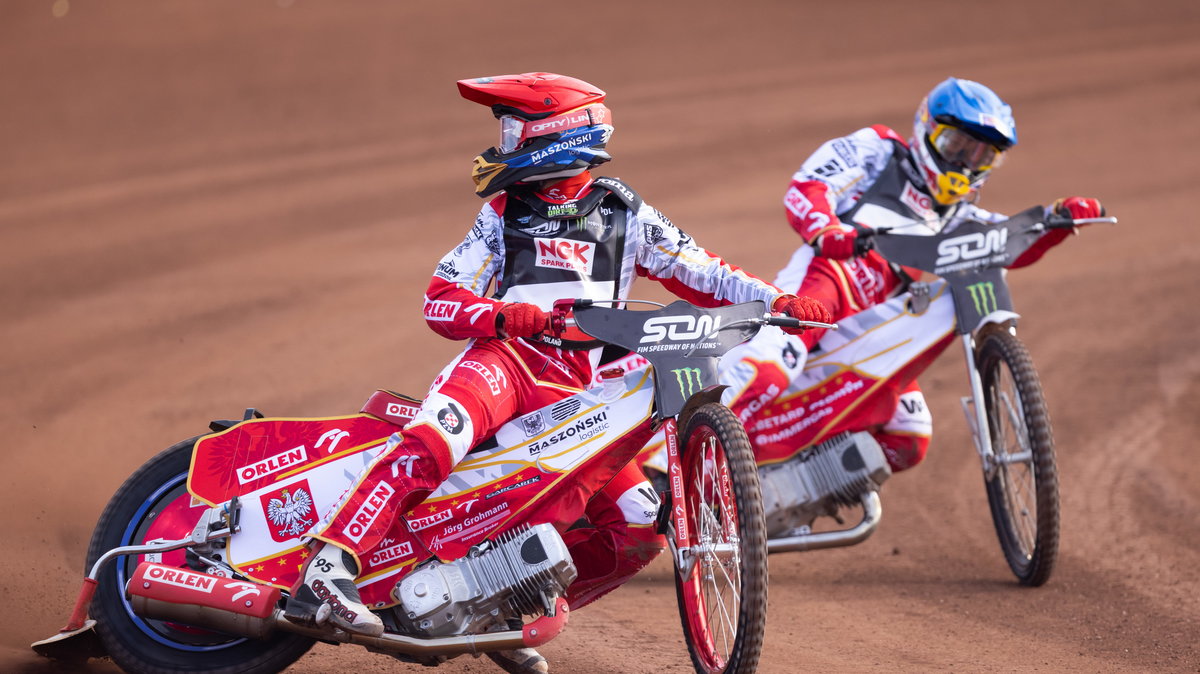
(873, 178)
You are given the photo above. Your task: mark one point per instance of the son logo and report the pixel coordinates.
(972, 246)
(679, 328)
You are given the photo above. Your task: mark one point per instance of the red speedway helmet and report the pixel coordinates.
(551, 126)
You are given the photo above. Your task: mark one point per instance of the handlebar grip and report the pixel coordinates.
(784, 321)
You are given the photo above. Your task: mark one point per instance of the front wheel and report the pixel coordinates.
(1023, 490)
(723, 594)
(154, 504)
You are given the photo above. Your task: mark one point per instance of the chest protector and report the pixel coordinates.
(571, 250)
(894, 198)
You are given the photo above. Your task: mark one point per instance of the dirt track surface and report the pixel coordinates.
(206, 206)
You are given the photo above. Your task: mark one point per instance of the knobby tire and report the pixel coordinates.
(729, 485)
(1018, 421)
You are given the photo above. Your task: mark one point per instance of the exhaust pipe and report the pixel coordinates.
(233, 606)
(248, 609)
(872, 511)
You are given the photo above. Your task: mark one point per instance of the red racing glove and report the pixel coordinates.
(838, 244)
(521, 319)
(1079, 207)
(802, 308)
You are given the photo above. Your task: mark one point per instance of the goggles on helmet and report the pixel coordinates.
(514, 131)
(959, 148)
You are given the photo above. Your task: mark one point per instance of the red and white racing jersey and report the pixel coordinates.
(593, 253)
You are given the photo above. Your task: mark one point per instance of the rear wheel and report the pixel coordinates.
(154, 504)
(723, 594)
(1023, 492)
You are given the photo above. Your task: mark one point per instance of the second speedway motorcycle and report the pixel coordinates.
(190, 564)
(812, 442)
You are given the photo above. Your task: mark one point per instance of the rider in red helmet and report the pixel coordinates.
(549, 230)
(961, 131)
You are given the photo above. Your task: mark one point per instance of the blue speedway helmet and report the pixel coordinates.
(960, 133)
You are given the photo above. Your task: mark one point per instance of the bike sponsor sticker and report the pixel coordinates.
(523, 483)
(470, 524)
(565, 409)
(689, 380)
(290, 511)
(272, 464)
(401, 411)
(584, 429)
(390, 553)
(369, 511)
(441, 310)
(565, 254)
(419, 523)
(185, 579)
(801, 417)
(533, 424)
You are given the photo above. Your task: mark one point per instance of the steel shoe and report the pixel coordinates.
(520, 661)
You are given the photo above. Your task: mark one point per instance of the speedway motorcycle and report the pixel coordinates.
(190, 564)
(814, 451)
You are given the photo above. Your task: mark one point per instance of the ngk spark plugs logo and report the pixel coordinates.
(565, 254)
(920, 204)
(289, 510)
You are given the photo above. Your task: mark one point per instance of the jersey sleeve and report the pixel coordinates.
(455, 306)
(833, 177)
(667, 255)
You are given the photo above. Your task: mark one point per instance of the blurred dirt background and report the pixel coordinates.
(209, 205)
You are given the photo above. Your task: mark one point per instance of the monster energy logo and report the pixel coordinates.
(984, 296)
(688, 379)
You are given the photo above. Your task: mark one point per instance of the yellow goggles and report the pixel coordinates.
(959, 148)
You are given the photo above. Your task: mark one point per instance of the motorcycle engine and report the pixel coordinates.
(821, 479)
(518, 574)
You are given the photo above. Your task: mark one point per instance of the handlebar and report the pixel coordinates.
(789, 322)
(1064, 222)
(560, 316)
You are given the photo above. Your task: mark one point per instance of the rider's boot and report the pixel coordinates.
(520, 661)
(329, 578)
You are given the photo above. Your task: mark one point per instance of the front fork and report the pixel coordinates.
(677, 530)
(976, 412)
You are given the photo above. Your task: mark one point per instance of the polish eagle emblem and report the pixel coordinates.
(289, 512)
